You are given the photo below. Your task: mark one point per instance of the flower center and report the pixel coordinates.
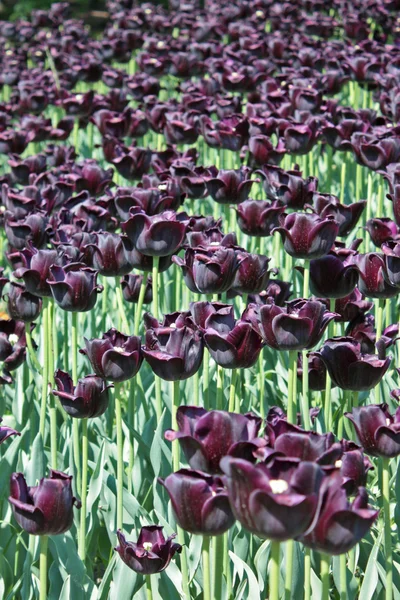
(278, 486)
(118, 349)
(147, 546)
(338, 464)
(387, 420)
(13, 339)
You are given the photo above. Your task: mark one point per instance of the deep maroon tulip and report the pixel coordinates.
(258, 218)
(21, 305)
(209, 270)
(174, 353)
(307, 235)
(300, 139)
(373, 276)
(354, 467)
(301, 445)
(36, 270)
(151, 200)
(349, 368)
(340, 525)
(377, 430)
(115, 357)
(391, 251)
(382, 230)
(346, 215)
(252, 275)
(12, 343)
(352, 306)
(33, 229)
(159, 235)
(230, 186)
(262, 151)
(46, 509)
(151, 554)
(207, 436)
(288, 186)
(74, 287)
(331, 277)
(277, 292)
(298, 326)
(232, 344)
(278, 502)
(6, 432)
(93, 178)
(88, 399)
(200, 502)
(131, 285)
(316, 372)
(110, 254)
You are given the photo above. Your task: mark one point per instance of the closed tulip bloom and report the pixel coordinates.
(110, 254)
(346, 215)
(373, 277)
(46, 509)
(391, 252)
(298, 326)
(230, 186)
(258, 218)
(200, 502)
(6, 432)
(354, 467)
(316, 372)
(88, 399)
(116, 357)
(74, 287)
(36, 270)
(288, 186)
(12, 343)
(277, 292)
(207, 436)
(131, 288)
(381, 230)
(21, 304)
(278, 502)
(33, 228)
(331, 277)
(340, 525)
(174, 353)
(232, 344)
(349, 368)
(377, 430)
(252, 275)
(151, 554)
(307, 235)
(158, 235)
(351, 307)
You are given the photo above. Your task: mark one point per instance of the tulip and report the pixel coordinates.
(391, 252)
(258, 218)
(21, 305)
(151, 554)
(74, 287)
(330, 277)
(252, 275)
(6, 432)
(88, 399)
(377, 430)
(33, 229)
(373, 276)
(159, 235)
(307, 235)
(131, 285)
(351, 307)
(115, 357)
(46, 509)
(382, 230)
(36, 270)
(230, 186)
(200, 502)
(12, 344)
(354, 467)
(110, 254)
(277, 292)
(288, 186)
(346, 215)
(316, 372)
(207, 436)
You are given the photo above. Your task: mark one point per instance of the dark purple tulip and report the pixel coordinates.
(352, 306)
(110, 254)
(36, 270)
(299, 139)
(207, 436)
(88, 399)
(262, 151)
(316, 372)
(200, 502)
(307, 235)
(3, 280)
(349, 368)
(382, 230)
(93, 178)
(258, 218)
(174, 353)
(6, 432)
(277, 292)
(252, 275)
(31, 229)
(232, 344)
(331, 277)
(340, 525)
(278, 502)
(21, 305)
(230, 186)
(12, 343)
(116, 357)
(74, 287)
(354, 467)
(159, 235)
(151, 554)
(298, 326)
(288, 186)
(377, 430)
(391, 251)
(151, 200)
(209, 270)
(301, 445)
(131, 288)
(373, 277)
(46, 509)
(346, 215)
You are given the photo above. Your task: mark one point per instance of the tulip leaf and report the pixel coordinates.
(72, 590)
(370, 581)
(351, 581)
(241, 566)
(36, 468)
(125, 581)
(96, 480)
(261, 562)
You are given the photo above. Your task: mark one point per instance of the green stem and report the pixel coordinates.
(45, 374)
(289, 569)
(53, 413)
(292, 380)
(218, 565)
(342, 181)
(120, 303)
(120, 453)
(155, 286)
(206, 568)
(149, 593)
(232, 390)
(379, 327)
(75, 422)
(227, 566)
(388, 529)
(261, 383)
(139, 305)
(206, 379)
(274, 570)
(196, 385)
(175, 406)
(305, 397)
(131, 417)
(157, 384)
(44, 541)
(325, 562)
(184, 566)
(32, 354)
(343, 577)
(82, 539)
(220, 390)
(307, 573)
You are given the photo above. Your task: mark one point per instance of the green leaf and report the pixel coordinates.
(370, 581)
(36, 467)
(242, 567)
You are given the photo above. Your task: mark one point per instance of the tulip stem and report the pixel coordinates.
(261, 383)
(120, 453)
(206, 379)
(388, 530)
(175, 406)
(120, 304)
(206, 568)
(32, 354)
(289, 569)
(379, 307)
(292, 380)
(232, 390)
(131, 417)
(343, 577)
(139, 305)
(220, 391)
(149, 593)
(307, 573)
(325, 562)
(44, 542)
(305, 395)
(82, 539)
(45, 375)
(75, 422)
(218, 565)
(274, 570)
(53, 413)
(157, 384)
(156, 261)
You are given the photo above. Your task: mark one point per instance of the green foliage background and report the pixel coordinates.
(16, 9)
